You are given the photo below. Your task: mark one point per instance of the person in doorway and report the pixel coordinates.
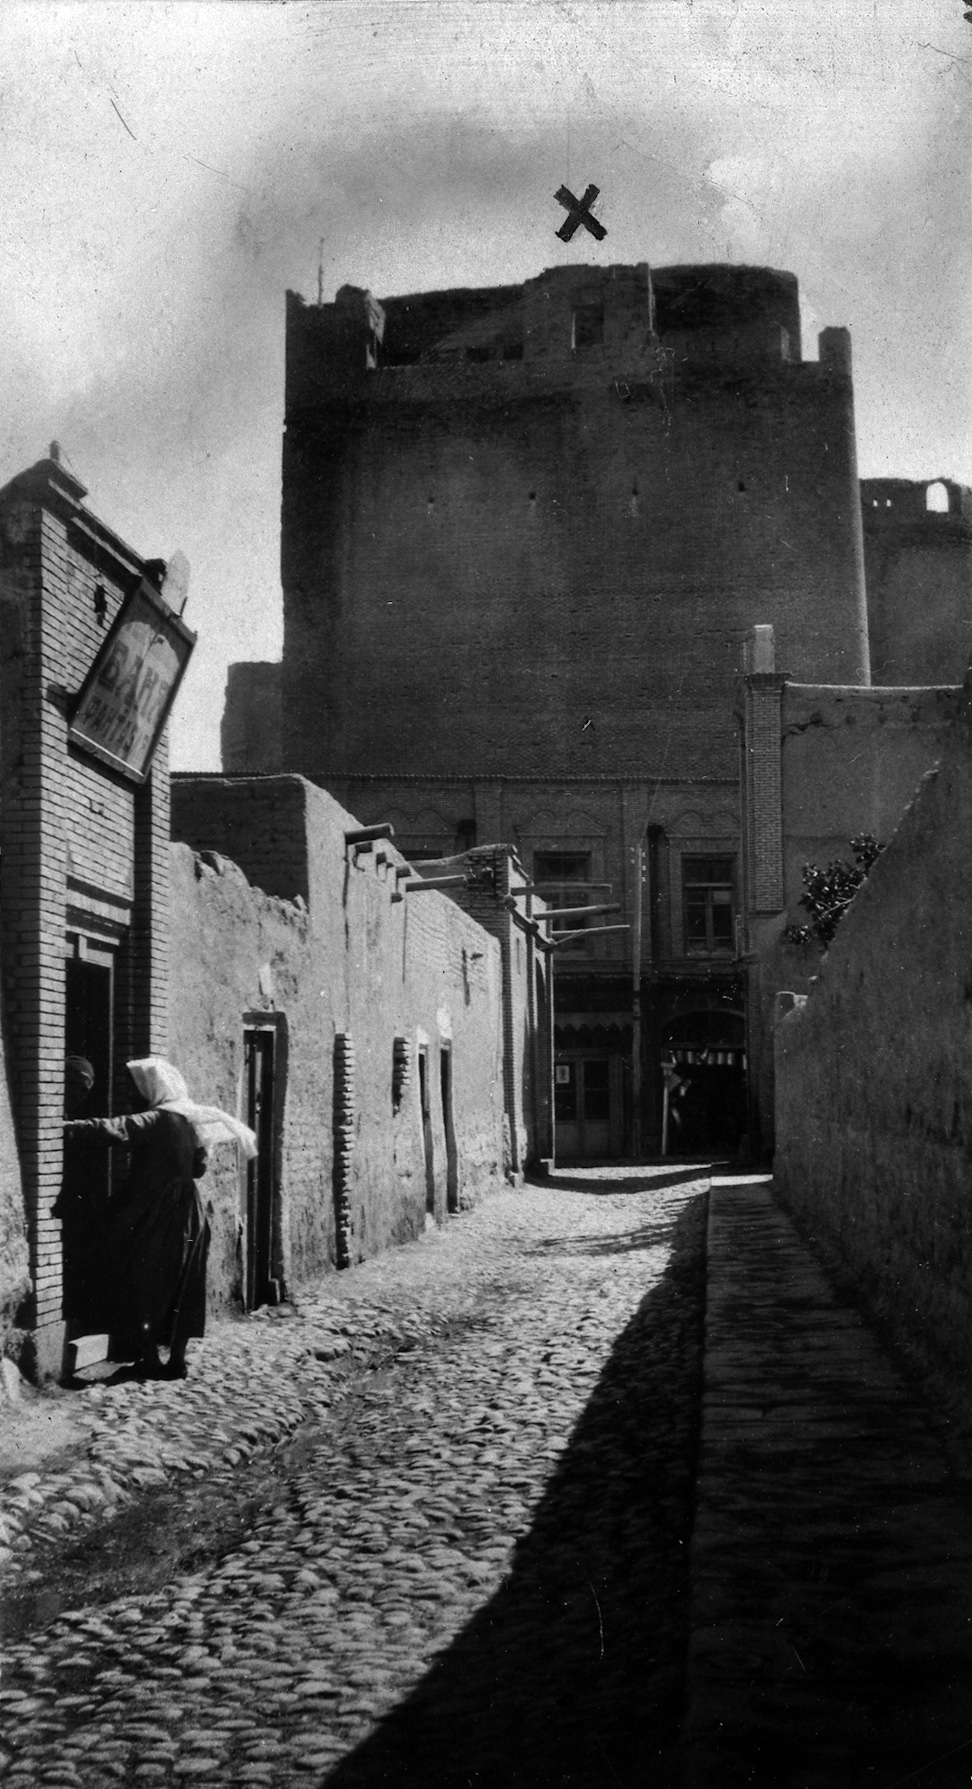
(79, 1079)
(81, 1207)
(158, 1238)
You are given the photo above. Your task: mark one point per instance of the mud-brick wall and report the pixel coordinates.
(874, 1095)
(418, 969)
(850, 761)
(237, 951)
(349, 968)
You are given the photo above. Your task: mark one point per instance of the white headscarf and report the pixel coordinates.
(165, 1090)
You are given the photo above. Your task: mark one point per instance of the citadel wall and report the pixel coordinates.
(551, 560)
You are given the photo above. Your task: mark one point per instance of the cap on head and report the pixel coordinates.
(80, 1069)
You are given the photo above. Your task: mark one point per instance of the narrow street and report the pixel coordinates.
(466, 1560)
(607, 1483)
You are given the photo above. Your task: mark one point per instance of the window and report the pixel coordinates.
(936, 499)
(708, 906)
(589, 325)
(560, 877)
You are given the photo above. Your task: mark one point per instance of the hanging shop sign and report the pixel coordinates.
(124, 701)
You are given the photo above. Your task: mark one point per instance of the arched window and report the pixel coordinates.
(936, 499)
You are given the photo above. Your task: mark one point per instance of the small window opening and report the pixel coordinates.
(741, 484)
(513, 351)
(479, 353)
(936, 499)
(708, 906)
(589, 326)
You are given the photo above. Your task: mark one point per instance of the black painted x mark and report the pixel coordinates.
(580, 213)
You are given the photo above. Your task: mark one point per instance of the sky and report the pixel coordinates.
(171, 170)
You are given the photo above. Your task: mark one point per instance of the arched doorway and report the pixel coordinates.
(704, 1067)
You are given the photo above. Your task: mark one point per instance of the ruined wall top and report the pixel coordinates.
(575, 314)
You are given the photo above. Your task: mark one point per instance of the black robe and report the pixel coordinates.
(156, 1239)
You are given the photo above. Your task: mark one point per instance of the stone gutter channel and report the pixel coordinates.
(250, 1387)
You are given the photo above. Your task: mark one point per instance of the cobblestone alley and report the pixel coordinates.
(605, 1484)
(484, 1526)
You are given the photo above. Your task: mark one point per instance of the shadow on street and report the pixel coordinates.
(609, 1179)
(571, 1677)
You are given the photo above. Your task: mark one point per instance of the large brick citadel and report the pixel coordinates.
(526, 532)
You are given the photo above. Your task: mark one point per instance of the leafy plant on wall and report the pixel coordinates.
(828, 893)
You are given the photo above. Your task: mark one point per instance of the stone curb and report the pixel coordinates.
(831, 1553)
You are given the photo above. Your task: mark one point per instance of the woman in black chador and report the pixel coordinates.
(157, 1239)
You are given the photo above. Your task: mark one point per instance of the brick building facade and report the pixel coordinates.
(525, 533)
(84, 852)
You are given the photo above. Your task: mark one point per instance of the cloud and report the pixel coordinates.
(171, 169)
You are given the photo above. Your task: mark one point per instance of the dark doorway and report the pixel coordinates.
(426, 1109)
(452, 1154)
(704, 1067)
(259, 1064)
(88, 1033)
(86, 1179)
(87, 1026)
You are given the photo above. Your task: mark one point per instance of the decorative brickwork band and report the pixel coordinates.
(401, 1070)
(343, 1144)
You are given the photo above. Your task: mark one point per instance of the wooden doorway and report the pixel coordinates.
(84, 1200)
(449, 1125)
(588, 1104)
(263, 1071)
(425, 1106)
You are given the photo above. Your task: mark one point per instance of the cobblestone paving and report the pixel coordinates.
(832, 1550)
(476, 1574)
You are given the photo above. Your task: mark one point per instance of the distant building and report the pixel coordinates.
(526, 531)
(918, 570)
